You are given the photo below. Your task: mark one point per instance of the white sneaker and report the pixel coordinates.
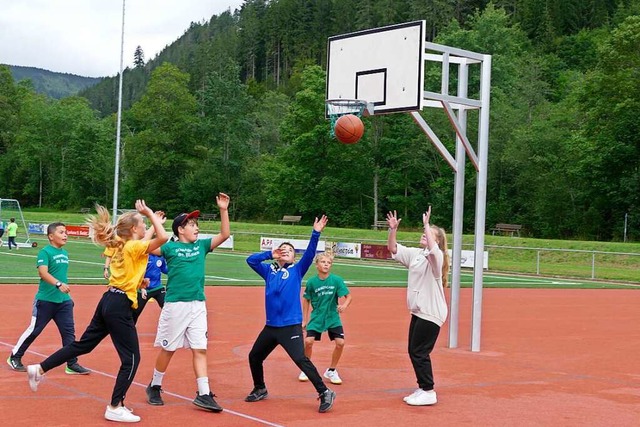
(34, 375)
(121, 414)
(303, 377)
(416, 391)
(423, 398)
(333, 376)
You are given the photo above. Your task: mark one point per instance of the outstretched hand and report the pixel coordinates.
(143, 209)
(223, 201)
(392, 220)
(319, 224)
(161, 216)
(425, 217)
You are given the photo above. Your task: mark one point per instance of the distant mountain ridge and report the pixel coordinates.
(52, 84)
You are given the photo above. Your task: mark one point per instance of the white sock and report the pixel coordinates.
(157, 378)
(203, 385)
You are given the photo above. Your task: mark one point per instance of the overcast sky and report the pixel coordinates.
(83, 37)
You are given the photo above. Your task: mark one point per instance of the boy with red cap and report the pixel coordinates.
(183, 320)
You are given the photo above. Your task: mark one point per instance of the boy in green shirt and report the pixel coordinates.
(52, 301)
(183, 320)
(322, 293)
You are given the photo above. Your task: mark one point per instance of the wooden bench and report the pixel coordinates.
(379, 224)
(85, 210)
(291, 219)
(208, 216)
(507, 229)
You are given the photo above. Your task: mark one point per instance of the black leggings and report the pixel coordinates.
(113, 316)
(422, 338)
(291, 339)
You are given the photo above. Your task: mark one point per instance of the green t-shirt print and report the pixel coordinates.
(185, 263)
(57, 262)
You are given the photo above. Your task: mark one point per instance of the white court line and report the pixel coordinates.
(178, 396)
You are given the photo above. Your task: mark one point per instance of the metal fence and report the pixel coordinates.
(591, 264)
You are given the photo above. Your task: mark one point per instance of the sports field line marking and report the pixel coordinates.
(178, 396)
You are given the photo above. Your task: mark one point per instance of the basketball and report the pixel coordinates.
(349, 129)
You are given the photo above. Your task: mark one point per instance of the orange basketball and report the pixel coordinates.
(349, 129)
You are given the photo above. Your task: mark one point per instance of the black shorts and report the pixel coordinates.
(337, 332)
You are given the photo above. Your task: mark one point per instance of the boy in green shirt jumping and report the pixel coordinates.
(322, 293)
(183, 320)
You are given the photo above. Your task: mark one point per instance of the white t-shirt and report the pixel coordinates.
(425, 294)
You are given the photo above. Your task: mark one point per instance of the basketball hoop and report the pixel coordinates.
(336, 108)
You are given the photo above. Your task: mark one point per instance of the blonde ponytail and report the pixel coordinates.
(105, 233)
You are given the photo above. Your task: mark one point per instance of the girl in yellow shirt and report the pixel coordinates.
(114, 314)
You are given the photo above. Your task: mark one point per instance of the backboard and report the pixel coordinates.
(383, 66)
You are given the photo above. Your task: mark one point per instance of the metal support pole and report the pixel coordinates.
(481, 201)
(458, 209)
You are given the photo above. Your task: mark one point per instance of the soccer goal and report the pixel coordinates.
(10, 208)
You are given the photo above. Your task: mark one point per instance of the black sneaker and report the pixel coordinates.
(153, 395)
(207, 401)
(16, 363)
(257, 394)
(76, 369)
(326, 400)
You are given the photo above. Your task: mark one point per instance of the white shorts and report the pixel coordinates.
(182, 325)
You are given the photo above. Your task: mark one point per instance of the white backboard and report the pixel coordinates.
(383, 66)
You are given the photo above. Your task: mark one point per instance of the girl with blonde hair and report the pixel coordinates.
(428, 268)
(114, 315)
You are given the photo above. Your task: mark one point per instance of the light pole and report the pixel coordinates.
(116, 176)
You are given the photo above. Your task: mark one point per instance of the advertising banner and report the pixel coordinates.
(345, 250)
(375, 252)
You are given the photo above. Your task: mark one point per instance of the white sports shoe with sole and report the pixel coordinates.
(333, 376)
(423, 398)
(121, 414)
(416, 391)
(303, 377)
(34, 375)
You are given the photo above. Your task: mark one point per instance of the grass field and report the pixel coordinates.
(226, 267)
(605, 261)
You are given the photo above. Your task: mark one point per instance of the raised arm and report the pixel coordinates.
(225, 229)
(161, 236)
(307, 258)
(432, 244)
(393, 222)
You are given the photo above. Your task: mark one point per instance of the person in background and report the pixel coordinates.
(12, 233)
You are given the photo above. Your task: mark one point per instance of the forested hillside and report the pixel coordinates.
(237, 105)
(54, 85)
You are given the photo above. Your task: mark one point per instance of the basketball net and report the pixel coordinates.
(336, 108)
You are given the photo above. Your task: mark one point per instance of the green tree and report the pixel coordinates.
(159, 151)
(610, 144)
(138, 57)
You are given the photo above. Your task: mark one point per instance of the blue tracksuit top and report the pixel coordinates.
(283, 284)
(155, 267)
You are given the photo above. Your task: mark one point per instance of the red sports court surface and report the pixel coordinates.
(549, 358)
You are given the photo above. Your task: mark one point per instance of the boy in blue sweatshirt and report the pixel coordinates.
(283, 282)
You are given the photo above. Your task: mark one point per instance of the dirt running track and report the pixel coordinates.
(549, 358)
